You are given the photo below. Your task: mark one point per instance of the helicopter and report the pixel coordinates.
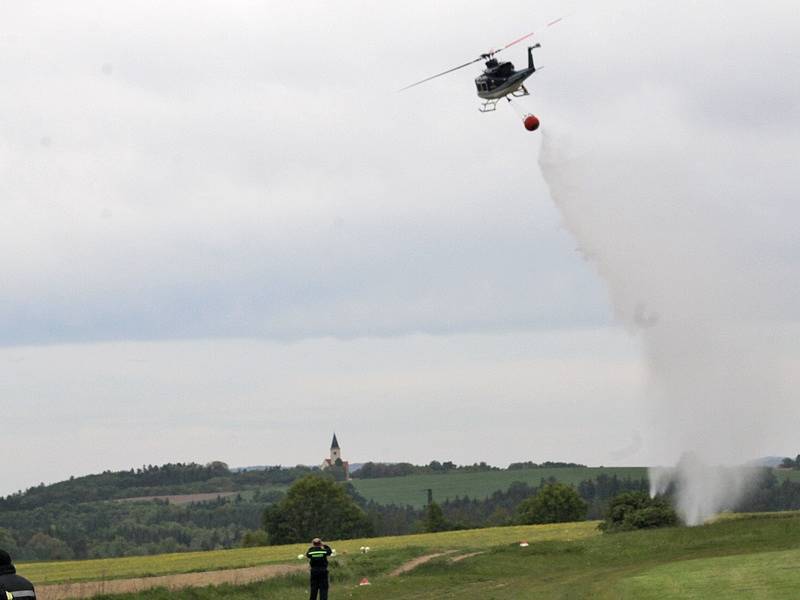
(499, 78)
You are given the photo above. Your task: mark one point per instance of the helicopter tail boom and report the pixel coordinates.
(530, 56)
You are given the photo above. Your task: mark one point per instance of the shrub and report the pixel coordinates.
(253, 539)
(555, 503)
(637, 510)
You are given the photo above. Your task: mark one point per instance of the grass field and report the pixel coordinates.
(189, 562)
(760, 575)
(787, 474)
(733, 558)
(736, 558)
(411, 489)
(180, 498)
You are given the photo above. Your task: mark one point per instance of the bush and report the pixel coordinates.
(253, 539)
(44, 547)
(637, 510)
(555, 503)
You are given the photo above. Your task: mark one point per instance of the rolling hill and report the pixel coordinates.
(412, 489)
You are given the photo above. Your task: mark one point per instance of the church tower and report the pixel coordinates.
(335, 460)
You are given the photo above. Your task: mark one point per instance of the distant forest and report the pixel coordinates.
(86, 517)
(150, 480)
(372, 470)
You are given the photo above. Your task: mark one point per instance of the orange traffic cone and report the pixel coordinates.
(364, 581)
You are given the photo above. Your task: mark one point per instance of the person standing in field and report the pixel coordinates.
(318, 562)
(13, 586)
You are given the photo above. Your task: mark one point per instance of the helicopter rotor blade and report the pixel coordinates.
(484, 56)
(531, 34)
(442, 73)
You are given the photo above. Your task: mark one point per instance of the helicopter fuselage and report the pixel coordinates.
(500, 79)
(493, 87)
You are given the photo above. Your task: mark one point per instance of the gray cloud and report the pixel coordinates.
(250, 171)
(235, 173)
(194, 170)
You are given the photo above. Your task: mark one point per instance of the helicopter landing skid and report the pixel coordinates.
(520, 92)
(489, 105)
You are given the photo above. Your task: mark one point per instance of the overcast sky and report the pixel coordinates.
(225, 235)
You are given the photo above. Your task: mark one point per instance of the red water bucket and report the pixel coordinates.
(531, 122)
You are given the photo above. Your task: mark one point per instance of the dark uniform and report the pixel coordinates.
(318, 561)
(12, 585)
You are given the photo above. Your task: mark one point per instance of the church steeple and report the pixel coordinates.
(341, 466)
(336, 453)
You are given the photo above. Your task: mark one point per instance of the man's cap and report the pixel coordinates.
(5, 558)
(316, 541)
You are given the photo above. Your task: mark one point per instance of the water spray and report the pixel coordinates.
(648, 220)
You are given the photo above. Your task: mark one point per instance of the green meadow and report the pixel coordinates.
(748, 557)
(192, 562)
(791, 475)
(412, 489)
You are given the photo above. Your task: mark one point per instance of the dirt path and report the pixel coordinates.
(464, 556)
(413, 564)
(88, 589)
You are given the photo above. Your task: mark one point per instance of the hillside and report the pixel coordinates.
(152, 480)
(182, 508)
(185, 507)
(412, 489)
(154, 509)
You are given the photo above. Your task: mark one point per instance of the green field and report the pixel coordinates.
(411, 489)
(736, 558)
(744, 575)
(791, 475)
(189, 562)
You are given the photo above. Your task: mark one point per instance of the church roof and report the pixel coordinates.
(334, 443)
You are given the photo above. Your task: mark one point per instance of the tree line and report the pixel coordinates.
(109, 529)
(624, 503)
(318, 506)
(67, 527)
(377, 470)
(150, 480)
(64, 530)
(498, 509)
